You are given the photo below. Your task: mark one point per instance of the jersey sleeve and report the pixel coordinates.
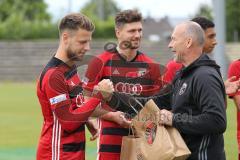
(93, 74)
(70, 117)
(234, 70)
(92, 77)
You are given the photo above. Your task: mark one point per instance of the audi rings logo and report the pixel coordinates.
(128, 88)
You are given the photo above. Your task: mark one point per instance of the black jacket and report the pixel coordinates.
(198, 103)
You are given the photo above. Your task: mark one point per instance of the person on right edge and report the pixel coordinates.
(197, 108)
(234, 70)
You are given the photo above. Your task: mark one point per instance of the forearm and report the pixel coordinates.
(71, 118)
(201, 124)
(125, 103)
(108, 116)
(164, 101)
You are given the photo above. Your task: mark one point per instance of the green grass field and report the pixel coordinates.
(22, 121)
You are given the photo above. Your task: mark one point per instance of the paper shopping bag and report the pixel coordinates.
(181, 151)
(151, 141)
(169, 143)
(131, 148)
(148, 147)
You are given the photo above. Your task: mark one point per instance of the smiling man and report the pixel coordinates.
(209, 44)
(198, 97)
(207, 25)
(132, 72)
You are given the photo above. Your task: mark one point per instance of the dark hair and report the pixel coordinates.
(204, 22)
(127, 16)
(75, 21)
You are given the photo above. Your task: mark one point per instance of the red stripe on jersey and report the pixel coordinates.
(111, 140)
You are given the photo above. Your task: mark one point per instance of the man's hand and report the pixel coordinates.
(232, 85)
(93, 129)
(119, 118)
(105, 87)
(166, 117)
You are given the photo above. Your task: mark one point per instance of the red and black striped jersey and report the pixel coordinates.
(138, 77)
(64, 111)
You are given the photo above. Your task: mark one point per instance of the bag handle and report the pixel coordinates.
(131, 128)
(133, 106)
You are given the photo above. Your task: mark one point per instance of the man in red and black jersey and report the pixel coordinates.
(132, 73)
(59, 92)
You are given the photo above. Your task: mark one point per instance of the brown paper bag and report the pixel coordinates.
(139, 148)
(131, 148)
(155, 142)
(181, 151)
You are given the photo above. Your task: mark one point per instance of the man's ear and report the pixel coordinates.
(65, 37)
(117, 31)
(189, 42)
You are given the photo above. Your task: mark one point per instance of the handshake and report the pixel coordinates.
(116, 100)
(105, 88)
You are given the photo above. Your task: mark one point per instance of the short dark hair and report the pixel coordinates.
(75, 21)
(127, 16)
(204, 22)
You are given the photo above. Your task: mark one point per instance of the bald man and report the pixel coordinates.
(198, 99)
(232, 83)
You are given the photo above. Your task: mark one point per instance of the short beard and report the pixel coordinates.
(72, 56)
(134, 47)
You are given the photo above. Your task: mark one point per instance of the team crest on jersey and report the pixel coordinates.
(183, 88)
(142, 72)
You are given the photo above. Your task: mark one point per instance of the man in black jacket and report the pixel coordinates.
(198, 98)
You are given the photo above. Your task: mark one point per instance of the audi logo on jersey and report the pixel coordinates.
(79, 100)
(129, 88)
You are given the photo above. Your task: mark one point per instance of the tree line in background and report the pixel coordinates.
(25, 19)
(233, 20)
(28, 19)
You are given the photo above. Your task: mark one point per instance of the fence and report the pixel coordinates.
(23, 61)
